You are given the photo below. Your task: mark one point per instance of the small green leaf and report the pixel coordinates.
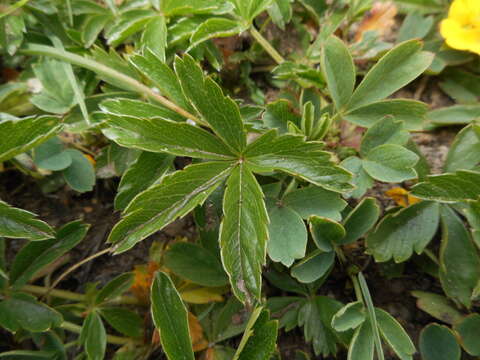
(215, 28)
(17, 223)
(349, 317)
(325, 232)
(36, 255)
(244, 233)
(22, 311)
(154, 37)
(391, 163)
(361, 180)
(415, 26)
(454, 115)
(129, 23)
(438, 343)
(123, 320)
(411, 112)
(170, 318)
(463, 153)
(395, 69)
(313, 266)
(281, 12)
(114, 288)
(80, 175)
(144, 172)
(361, 347)
(398, 235)
(250, 9)
(287, 239)
(394, 334)
(468, 329)
(459, 259)
(92, 28)
(93, 337)
(25, 134)
(278, 114)
(175, 196)
(360, 220)
(162, 135)
(438, 306)
(138, 109)
(293, 155)
(196, 264)
(337, 64)
(453, 187)
(218, 110)
(51, 156)
(314, 200)
(384, 131)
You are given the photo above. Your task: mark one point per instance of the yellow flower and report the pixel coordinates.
(461, 29)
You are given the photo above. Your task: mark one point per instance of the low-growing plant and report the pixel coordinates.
(282, 189)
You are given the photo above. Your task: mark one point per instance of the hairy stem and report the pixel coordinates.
(266, 46)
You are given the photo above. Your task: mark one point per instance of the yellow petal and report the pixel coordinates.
(460, 38)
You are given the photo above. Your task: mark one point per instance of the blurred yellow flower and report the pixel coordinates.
(461, 29)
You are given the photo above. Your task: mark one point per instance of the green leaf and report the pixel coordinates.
(51, 156)
(384, 131)
(438, 306)
(337, 64)
(313, 266)
(361, 347)
(361, 180)
(463, 153)
(144, 172)
(325, 232)
(459, 259)
(175, 196)
(22, 311)
(349, 317)
(415, 26)
(261, 344)
(25, 134)
(57, 95)
(161, 76)
(278, 114)
(196, 264)
(154, 37)
(391, 163)
(215, 28)
(80, 175)
(454, 115)
(92, 28)
(281, 12)
(313, 200)
(218, 110)
(129, 23)
(162, 135)
(115, 288)
(93, 337)
(291, 154)
(36, 255)
(453, 187)
(27, 355)
(398, 235)
(287, 235)
(244, 233)
(189, 7)
(250, 9)
(394, 334)
(468, 329)
(438, 343)
(395, 69)
(360, 220)
(170, 318)
(411, 112)
(123, 320)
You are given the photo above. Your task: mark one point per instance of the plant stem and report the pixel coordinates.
(266, 46)
(96, 67)
(76, 266)
(14, 7)
(112, 339)
(70, 295)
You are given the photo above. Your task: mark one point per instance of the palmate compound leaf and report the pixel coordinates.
(293, 155)
(162, 135)
(175, 196)
(25, 134)
(244, 233)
